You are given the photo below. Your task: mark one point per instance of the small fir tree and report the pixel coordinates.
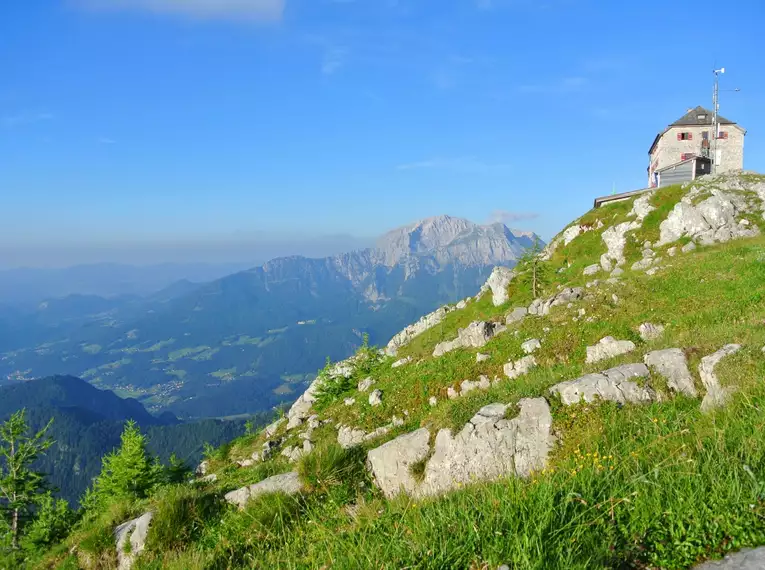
(536, 269)
(20, 486)
(129, 473)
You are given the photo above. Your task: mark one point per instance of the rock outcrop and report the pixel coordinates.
(542, 307)
(613, 385)
(392, 463)
(497, 283)
(608, 347)
(715, 219)
(487, 448)
(615, 239)
(672, 364)
(134, 533)
(716, 395)
(425, 323)
(475, 335)
(516, 315)
(650, 331)
(517, 368)
(288, 483)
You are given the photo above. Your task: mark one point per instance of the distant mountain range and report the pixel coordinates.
(25, 286)
(253, 339)
(87, 424)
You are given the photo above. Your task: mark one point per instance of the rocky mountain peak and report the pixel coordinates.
(456, 239)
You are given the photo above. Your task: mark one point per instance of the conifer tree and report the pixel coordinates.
(20, 486)
(130, 472)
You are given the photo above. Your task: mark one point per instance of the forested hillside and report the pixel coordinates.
(87, 423)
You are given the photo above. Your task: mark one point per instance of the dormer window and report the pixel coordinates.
(701, 117)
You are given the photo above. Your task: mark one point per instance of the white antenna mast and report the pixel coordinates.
(716, 109)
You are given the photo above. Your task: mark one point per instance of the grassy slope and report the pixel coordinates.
(659, 485)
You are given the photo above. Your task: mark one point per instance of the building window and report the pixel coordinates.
(722, 135)
(686, 155)
(701, 117)
(705, 135)
(685, 136)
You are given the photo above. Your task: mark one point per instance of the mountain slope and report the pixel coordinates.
(631, 440)
(255, 339)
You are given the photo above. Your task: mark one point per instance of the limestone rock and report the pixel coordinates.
(571, 233)
(568, 295)
(391, 462)
(136, 532)
(365, 384)
(498, 282)
(211, 478)
(613, 385)
(271, 429)
(615, 240)
(716, 395)
(467, 386)
(531, 345)
(618, 272)
(288, 483)
(475, 335)
(608, 347)
(688, 247)
(401, 362)
(641, 207)
(202, 468)
(710, 221)
(520, 367)
(432, 401)
(490, 447)
(650, 331)
(516, 315)
(591, 269)
(479, 357)
(425, 323)
(672, 364)
(487, 448)
(349, 401)
(747, 559)
(375, 398)
(672, 251)
(292, 453)
(452, 394)
(349, 437)
(301, 409)
(643, 264)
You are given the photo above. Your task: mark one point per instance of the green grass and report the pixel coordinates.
(652, 486)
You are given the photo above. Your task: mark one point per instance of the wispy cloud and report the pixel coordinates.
(507, 216)
(465, 164)
(334, 58)
(25, 118)
(252, 10)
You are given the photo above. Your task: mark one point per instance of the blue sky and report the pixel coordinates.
(191, 121)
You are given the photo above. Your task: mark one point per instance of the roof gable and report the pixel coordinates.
(691, 118)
